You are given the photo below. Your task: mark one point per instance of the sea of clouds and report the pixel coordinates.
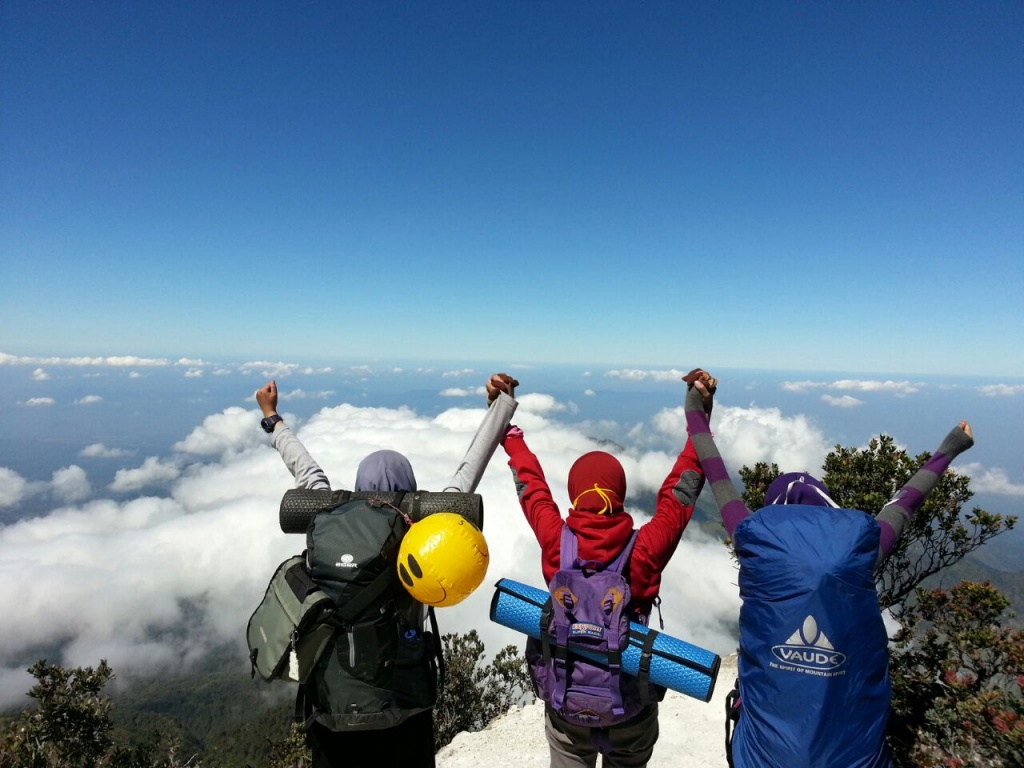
(163, 564)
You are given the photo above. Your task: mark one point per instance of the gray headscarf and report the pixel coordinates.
(385, 471)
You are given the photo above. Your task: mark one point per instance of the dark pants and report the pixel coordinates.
(629, 745)
(409, 744)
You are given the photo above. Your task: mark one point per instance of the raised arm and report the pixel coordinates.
(895, 515)
(501, 406)
(535, 498)
(304, 469)
(730, 505)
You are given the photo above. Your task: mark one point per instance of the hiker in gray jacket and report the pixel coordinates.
(409, 744)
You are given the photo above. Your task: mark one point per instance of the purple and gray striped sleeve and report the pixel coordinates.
(730, 505)
(895, 515)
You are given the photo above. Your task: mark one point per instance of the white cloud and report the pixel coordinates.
(194, 373)
(899, 387)
(536, 402)
(34, 402)
(993, 480)
(134, 375)
(13, 487)
(455, 374)
(636, 374)
(89, 400)
(746, 436)
(233, 429)
(301, 394)
(125, 578)
(801, 386)
(191, 363)
(855, 385)
(589, 392)
(1002, 390)
(40, 375)
(846, 401)
(100, 451)
(268, 370)
(71, 484)
(153, 471)
(113, 361)
(464, 392)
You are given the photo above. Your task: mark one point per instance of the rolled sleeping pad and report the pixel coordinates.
(675, 663)
(300, 505)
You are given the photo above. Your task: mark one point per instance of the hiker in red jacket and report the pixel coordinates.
(602, 527)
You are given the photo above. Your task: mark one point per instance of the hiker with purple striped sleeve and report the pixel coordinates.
(814, 689)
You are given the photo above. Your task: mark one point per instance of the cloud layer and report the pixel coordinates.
(155, 581)
(168, 560)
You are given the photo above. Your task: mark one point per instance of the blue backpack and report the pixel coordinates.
(813, 665)
(589, 608)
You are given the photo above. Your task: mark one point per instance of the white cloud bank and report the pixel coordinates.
(749, 435)
(637, 374)
(855, 385)
(152, 582)
(993, 480)
(1002, 390)
(114, 361)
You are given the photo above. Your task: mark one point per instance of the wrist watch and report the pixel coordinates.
(269, 423)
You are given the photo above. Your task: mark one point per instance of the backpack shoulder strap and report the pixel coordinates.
(569, 551)
(371, 593)
(569, 548)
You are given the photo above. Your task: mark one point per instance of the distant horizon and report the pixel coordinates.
(166, 360)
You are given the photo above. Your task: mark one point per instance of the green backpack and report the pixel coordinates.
(290, 628)
(366, 661)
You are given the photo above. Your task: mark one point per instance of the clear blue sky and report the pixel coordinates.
(832, 186)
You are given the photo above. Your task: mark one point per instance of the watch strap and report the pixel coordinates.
(270, 422)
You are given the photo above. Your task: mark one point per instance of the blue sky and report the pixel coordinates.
(810, 186)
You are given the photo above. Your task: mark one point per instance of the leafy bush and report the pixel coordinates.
(958, 682)
(475, 693)
(71, 728)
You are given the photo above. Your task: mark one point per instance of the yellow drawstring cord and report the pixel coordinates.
(608, 508)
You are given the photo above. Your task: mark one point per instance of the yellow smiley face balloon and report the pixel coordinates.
(442, 559)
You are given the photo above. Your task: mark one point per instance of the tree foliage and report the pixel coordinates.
(474, 693)
(939, 535)
(70, 726)
(958, 681)
(756, 480)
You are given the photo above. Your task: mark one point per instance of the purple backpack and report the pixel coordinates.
(589, 610)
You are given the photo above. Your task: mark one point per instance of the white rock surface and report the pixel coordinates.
(692, 734)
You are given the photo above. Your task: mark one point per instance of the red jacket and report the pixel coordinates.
(602, 537)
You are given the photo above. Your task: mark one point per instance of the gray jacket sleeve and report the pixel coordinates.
(482, 446)
(304, 469)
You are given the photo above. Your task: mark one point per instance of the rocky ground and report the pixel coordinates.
(692, 734)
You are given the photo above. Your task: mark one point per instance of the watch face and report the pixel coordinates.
(269, 422)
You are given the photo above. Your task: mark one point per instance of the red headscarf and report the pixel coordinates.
(597, 489)
(597, 483)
